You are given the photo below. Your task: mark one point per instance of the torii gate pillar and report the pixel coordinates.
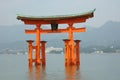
(66, 51)
(43, 52)
(37, 44)
(30, 49)
(72, 58)
(37, 58)
(77, 49)
(71, 44)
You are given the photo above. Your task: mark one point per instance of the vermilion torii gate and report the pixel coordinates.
(71, 53)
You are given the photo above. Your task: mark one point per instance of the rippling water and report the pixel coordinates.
(93, 67)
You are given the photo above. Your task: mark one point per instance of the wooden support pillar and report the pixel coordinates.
(43, 52)
(30, 48)
(66, 51)
(38, 44)
(77, 52)
(71, 44)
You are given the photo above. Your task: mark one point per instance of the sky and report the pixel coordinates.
(106, 10)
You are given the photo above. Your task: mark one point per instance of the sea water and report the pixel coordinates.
(104, 66)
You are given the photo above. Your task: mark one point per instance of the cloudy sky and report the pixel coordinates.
(106, 10)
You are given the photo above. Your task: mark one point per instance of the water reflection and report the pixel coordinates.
(37, 72)
(72, 72)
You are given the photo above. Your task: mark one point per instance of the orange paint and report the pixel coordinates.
(43, 52)
(77, 47)
(66, 51)
(37, 44)
(71, 44)
(30, 59)
(71, 50)
(37, 55)
(70, 54)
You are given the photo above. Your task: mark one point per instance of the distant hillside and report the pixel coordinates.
(107, 34)
(14, 37)
(13, 33)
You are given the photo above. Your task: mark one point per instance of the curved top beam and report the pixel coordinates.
(58, 19)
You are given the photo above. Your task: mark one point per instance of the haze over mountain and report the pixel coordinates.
(107, 34)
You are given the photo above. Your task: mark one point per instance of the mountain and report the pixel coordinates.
(14, 37)
(107, 34)
(13, 33)
(110, 32)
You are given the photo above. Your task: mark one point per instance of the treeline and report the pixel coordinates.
(104, 49)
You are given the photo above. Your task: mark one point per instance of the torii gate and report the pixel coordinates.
(71, 53)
